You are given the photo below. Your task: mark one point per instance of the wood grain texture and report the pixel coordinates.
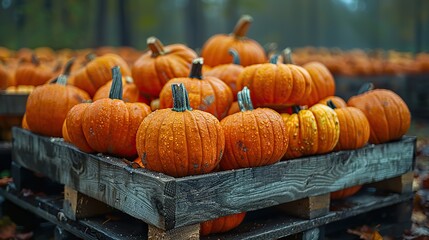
(12, 104)
(400, 184)
(167, 202)
(307, 208)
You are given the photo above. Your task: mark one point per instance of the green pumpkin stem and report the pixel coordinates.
(296, 109)
(68, 66)
(274, 59)
(244, 100)
(62, 79)
(116, 88)
(270, 48)
(90, 56)
(287, 56)
(180, 98)
(197, 68)
(35, 60)
(242, 26)
(331, 104)
(235, 56)
(155, 46)
(366, 87)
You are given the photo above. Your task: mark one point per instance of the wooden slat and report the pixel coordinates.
(400, 184)
(167, 202)
(308, 208)
(12, 104)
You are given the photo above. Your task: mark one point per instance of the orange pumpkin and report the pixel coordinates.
(7, 77)
(215, 49)
(388, 115)
(354, 128)
(48, 105)
(222, 224)
(234, 108)
(275, 85)
(35, 73)
(109, 125)
(162, 63)
(253, 137)
(228, 73)
(180, 141)
(346, 192)
(130, 91)
(206, 93)
(72, 127)
(312, 131)
(337, 101)
(97, 72)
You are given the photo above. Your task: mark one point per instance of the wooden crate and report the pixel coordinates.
(12, 104)
(168, 203)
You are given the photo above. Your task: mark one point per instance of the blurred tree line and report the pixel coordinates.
(367, 24)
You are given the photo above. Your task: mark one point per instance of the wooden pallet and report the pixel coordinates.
(177, 205)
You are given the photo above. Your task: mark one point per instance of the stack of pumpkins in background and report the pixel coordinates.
(183, 115)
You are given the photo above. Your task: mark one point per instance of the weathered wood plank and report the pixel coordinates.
(191, 232)
(400, 184)
(138, 192)
(308, 208)
(12, 104)
(241, 190)
(77, 205)
(167, 202)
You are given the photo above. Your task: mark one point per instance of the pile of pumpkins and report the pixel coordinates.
(230, 108)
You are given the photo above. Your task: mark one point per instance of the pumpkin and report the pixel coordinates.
(206, 93)
(215, 49)
(322, 82)
(45, 53)
(311, 131)
(162, 63)
(130, 90)
(7, 77)
(154, 104)
(275, 85)
(337, 101)
(138, 163)
(253, 137)
(24, 123)
(346, 192)
(96, 72)
(388, 115)
(234, 108)
(228, 73)
(35, 73)
(180, 141)
(221, 224)
(354, 127)
(48, 105)
(72, 127)
(109, 125)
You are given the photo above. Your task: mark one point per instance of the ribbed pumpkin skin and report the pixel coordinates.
(208, 94)
(130, 91)
(30, 74)
(48, 105)
(151, 73)
(253, 138)
(275, 84)
(98, 72)
(312, 131)
(347, 192)
(323, 84)
(73, 127)
(388, 115)
(7, 77)
(110, 126)
(339, 102)
(215, 50)
(222, 224)
(180, 143)
(354, 128)
(228, 73)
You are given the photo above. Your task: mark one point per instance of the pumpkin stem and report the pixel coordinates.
(69, 64)
(242, 26)
(331, 104)
(180, 98)
(366, 87)
(90, 56)
(57, 67)
(35, 60)
(155, 46)
(116, 88)
(196, 69)
(270, 48)
(129, 80)
(62, 79)
(274, 59)
(296, 109)
(244, 100)
(235, 56)
(287, 56)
